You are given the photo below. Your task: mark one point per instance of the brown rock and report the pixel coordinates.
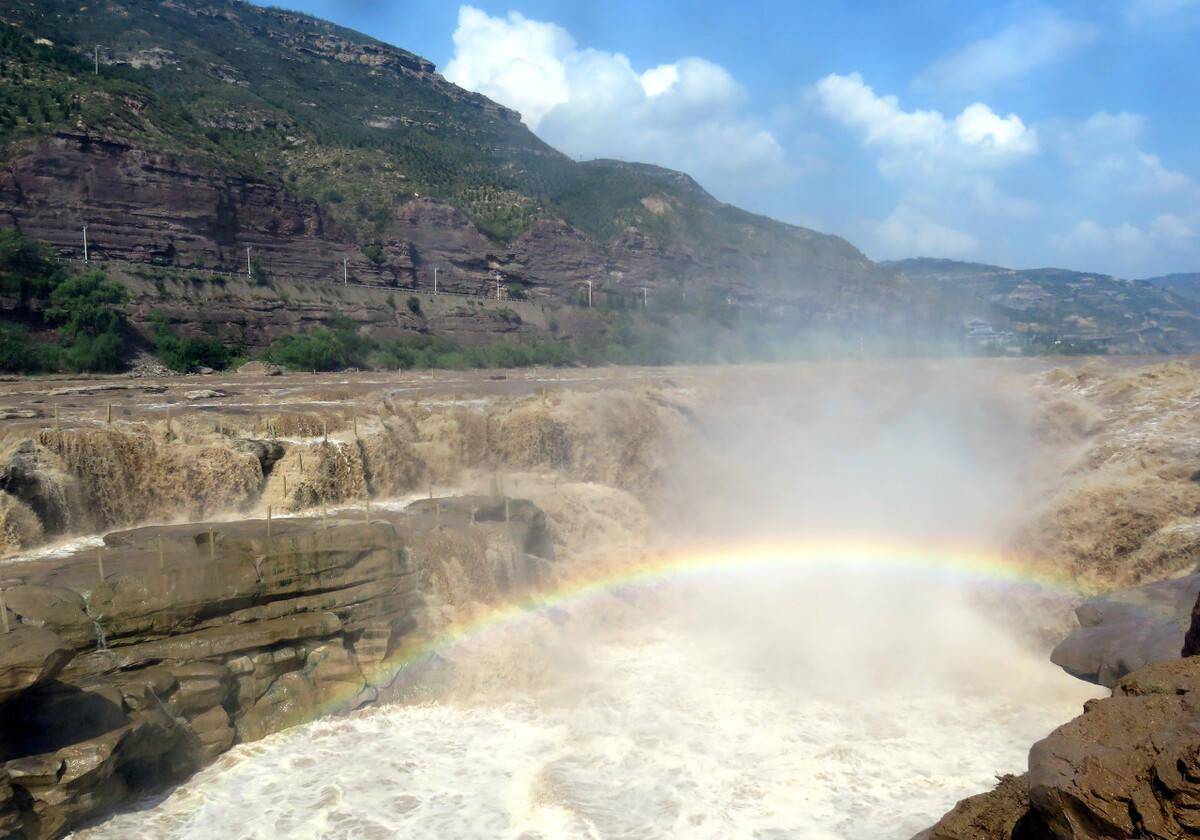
(986, 816)
(10, 814)
(259, 369)
(214, 732)
(1129, 767)
(29, 656)
(53, 607)
(1191, 639)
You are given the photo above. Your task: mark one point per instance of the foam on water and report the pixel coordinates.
(658, 731)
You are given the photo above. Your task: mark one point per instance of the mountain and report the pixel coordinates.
(1184, 284)
(202, 138)
(1058, 307)
(212, 127)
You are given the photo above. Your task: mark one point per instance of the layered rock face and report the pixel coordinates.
(147, 207)
(128, 667)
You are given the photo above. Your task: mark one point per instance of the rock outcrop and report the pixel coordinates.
(1126, 630)
(1128, 767)
(150, 207)
(985, 816)
(130, 667)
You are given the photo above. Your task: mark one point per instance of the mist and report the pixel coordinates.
(816, 699)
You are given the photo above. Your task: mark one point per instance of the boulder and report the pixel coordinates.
(259, 369)
(53, 607)
(1128, 767)
(214, 732)
(30, 656)
(1126, 630)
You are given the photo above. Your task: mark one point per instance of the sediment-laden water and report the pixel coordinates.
(854, 714)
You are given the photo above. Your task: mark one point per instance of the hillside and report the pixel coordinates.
(1186, 284)
(207, 138)
(1061, 309)
(216, 126)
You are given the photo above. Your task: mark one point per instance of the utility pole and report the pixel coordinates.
(249, 271)
(645, 299)
(85, 247)
(97, 59)
(589, 294)
(435, 268)
(345, 271)
(497, 285)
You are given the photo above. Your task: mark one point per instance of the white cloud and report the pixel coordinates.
(981, 128)
(908, 232)
(515, 60)
(1170, 227)
(1125, 246)
(924, 139)
(1105, 156)
(686, 114)
(946, 166)
(1012, 53)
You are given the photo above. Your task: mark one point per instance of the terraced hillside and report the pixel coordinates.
(215, 126)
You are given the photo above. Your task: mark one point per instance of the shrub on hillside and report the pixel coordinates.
(188, 354)
(19, 353)
(323, 349)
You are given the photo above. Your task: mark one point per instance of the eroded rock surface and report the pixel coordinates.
(1126, 630)
(1128, 767)
(130, 667)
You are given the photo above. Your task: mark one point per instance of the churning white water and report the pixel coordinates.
(853, 713)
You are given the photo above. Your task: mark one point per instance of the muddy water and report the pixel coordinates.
(709, 720)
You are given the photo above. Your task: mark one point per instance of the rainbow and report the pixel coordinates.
(938, 562)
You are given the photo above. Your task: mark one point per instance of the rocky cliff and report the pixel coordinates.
(221, 126)
(127, 667)
(128, 662)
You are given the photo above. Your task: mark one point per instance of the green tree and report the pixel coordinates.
(87, 306)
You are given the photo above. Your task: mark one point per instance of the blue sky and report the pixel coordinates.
(1020, 133)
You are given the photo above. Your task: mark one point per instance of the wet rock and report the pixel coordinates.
(1191, 640)
(30, 656)
(52, 606)
(288, 701)
(35, 475)
(986, 816)
(1129, 767)
(10, 814)
(214, 732)
(111, 387)
(1126, 630)
(198, 636)
(201, 686)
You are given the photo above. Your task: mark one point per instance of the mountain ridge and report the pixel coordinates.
(223, 135)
